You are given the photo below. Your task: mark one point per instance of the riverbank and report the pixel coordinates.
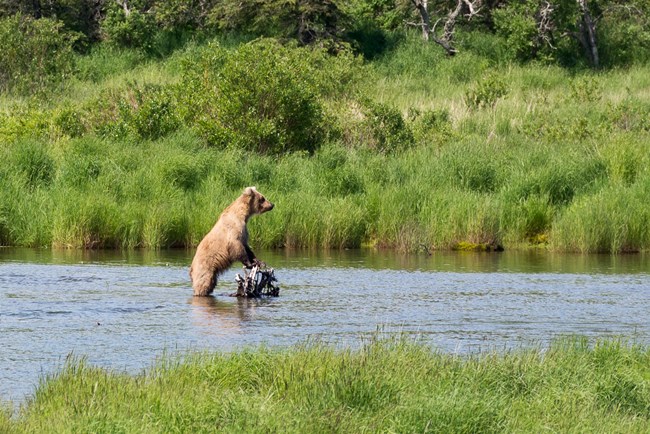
(384, 386)
(465, 154)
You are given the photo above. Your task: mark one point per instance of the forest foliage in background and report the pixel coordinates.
(130, 124)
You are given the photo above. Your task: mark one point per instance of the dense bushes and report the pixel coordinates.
(133, 30)
(34, 54)
(262, 97)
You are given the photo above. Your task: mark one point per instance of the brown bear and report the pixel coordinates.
(227, 242)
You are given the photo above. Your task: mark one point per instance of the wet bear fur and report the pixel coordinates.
(227, 242)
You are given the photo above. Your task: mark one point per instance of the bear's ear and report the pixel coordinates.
(250, 191)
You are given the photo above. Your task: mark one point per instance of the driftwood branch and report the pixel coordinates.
(471, 5)
(545, 21)
(257, 283)
(446, 39)
(545, 25)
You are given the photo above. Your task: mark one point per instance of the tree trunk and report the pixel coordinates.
(421, 6)
(588, 34)
(38, 10)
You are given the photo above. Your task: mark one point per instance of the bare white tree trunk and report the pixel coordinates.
(545, 25)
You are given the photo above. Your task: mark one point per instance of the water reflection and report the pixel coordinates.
(213, 316)
(527, 261)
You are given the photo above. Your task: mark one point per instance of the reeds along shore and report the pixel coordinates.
(462, 154)
(385, 385)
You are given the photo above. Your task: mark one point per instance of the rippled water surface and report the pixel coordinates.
(123, 310)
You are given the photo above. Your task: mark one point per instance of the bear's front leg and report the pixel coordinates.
(251, 260)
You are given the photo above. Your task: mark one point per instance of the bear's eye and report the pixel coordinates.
(262, 199)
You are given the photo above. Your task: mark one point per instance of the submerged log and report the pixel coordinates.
(257, 283)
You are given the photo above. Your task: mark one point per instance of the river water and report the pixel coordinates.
(122, 310)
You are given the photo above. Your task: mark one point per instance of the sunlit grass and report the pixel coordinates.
(386, 385)
(557, 158)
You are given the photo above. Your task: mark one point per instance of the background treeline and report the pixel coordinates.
(132, 124)
(38, 36)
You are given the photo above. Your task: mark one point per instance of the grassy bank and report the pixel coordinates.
(417, 151)
(384, 386)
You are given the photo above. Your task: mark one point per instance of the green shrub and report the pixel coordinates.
(153, 113)
(133, 30)
(69, 121)
(260, 97)
(146, 111)
(586, 88)
(23, 121)
(430, 126)
(486, 91)
(624, 34)
(34, 54)
(516, 24)
(630, 114)
(386, 129)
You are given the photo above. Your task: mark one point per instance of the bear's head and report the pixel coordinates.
(257, 203)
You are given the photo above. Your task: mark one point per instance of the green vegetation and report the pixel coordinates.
(136, 131)
(384, 386)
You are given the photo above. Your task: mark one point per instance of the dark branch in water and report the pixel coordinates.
(257, 283)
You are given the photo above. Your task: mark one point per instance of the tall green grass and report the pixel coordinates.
(383, 386)
(96, 193)
(427, 152)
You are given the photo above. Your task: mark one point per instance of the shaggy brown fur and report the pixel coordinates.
(227, 242)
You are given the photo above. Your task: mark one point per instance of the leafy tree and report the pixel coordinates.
(308, 21)
(624, 32)
(561, 28)
(130, 24)
(82, 16)
(184, 14)
(34, 54)
(385, 14)
(526, 28)
(262, 97)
